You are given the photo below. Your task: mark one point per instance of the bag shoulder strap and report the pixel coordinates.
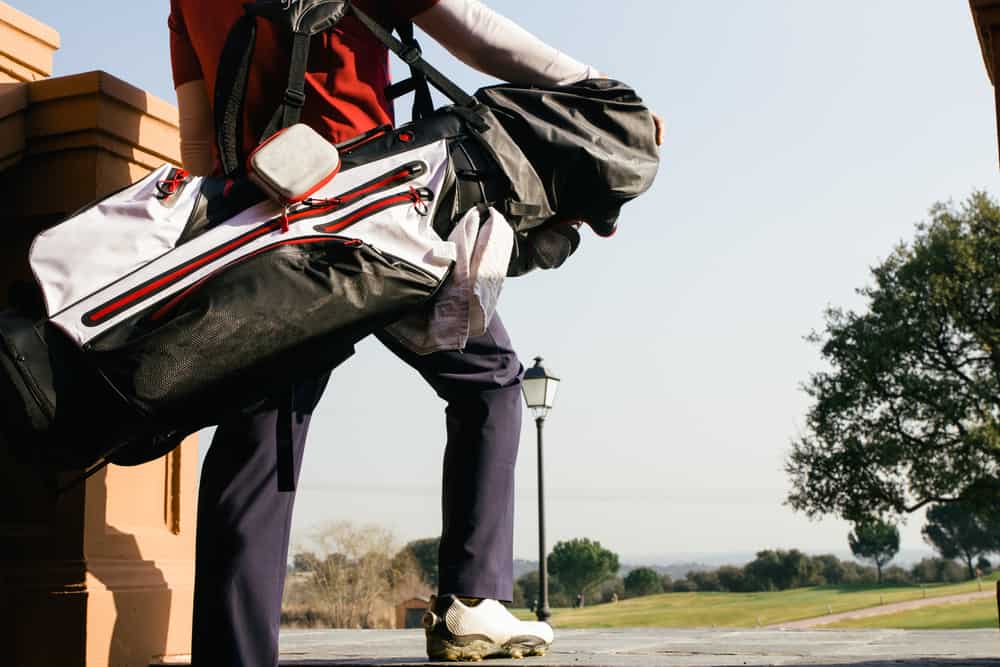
(302, 19)
(423, 104)
(305, 18)
(409, 52)
(231, 91)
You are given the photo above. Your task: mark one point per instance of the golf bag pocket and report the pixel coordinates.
(113, 237)
(293, 164)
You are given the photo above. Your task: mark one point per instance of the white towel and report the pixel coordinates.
(467, 301)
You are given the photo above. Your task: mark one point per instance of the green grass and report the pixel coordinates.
(742, 610)
(951, 616)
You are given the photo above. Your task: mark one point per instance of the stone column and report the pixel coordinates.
(103, 575)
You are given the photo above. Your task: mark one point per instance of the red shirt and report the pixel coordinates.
(347, 75)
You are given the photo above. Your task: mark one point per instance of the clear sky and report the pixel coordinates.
(804, 140)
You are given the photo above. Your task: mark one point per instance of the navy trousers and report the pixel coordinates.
(244, 521)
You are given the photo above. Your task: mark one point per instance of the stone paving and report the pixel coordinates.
(652, 647)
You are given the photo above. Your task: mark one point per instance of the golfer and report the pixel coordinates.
(243, 520)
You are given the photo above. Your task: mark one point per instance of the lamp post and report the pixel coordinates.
(539, 387)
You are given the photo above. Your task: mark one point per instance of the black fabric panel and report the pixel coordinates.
(593, 144)
(55, 409)
(255, 328)
(27, 391)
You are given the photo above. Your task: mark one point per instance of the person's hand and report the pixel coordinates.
(659, 129)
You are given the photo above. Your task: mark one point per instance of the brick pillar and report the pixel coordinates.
(104, 575)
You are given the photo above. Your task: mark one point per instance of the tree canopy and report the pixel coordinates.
(875, 541)
(907, 414)
(582, 564)
(643, 581)
(425, 553)
(958, 531)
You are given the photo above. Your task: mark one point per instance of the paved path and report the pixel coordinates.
(881, 610)
(655, 647)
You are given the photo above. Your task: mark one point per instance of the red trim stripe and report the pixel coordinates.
(97, 316)
(149, 289)
(174, 302)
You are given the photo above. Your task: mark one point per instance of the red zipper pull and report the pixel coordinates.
(418, 201)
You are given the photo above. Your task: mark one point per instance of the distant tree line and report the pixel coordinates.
(354, 576)
(778, 570)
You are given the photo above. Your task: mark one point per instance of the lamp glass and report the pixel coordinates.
(535, 391)
(550, 392)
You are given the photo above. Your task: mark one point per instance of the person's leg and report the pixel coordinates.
(482, 385)
(242, 538)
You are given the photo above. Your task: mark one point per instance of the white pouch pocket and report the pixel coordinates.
(293, 164)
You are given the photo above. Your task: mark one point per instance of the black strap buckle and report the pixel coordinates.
(411, 54)
(295, 98)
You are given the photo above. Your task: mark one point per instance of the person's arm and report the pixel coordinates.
(197, 128)
(495, 45)
(196, 123)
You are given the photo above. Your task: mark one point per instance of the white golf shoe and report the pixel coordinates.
(456, 631)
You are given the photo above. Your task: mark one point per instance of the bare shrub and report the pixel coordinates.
(352, 577)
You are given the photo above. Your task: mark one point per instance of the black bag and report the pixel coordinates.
(121, 372)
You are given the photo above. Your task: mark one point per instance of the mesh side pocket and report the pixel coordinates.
(255, 327)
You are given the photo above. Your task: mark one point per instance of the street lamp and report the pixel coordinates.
(539, 387)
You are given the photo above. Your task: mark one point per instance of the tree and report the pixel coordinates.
(425, 553)
(732, 579)
(527, 590)
(705, 580)
(780, 570)
(875, 541)
(909, 412)
(831, 569)
(932, 570)
(643, 581)
(958, 531)
(582, 564)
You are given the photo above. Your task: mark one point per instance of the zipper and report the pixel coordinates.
(361, 140)
(404, 174)
(304, 240)
(313, 208)
(348, 242)
(415, 197)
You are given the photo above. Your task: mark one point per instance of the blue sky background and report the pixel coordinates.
(804, 140)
